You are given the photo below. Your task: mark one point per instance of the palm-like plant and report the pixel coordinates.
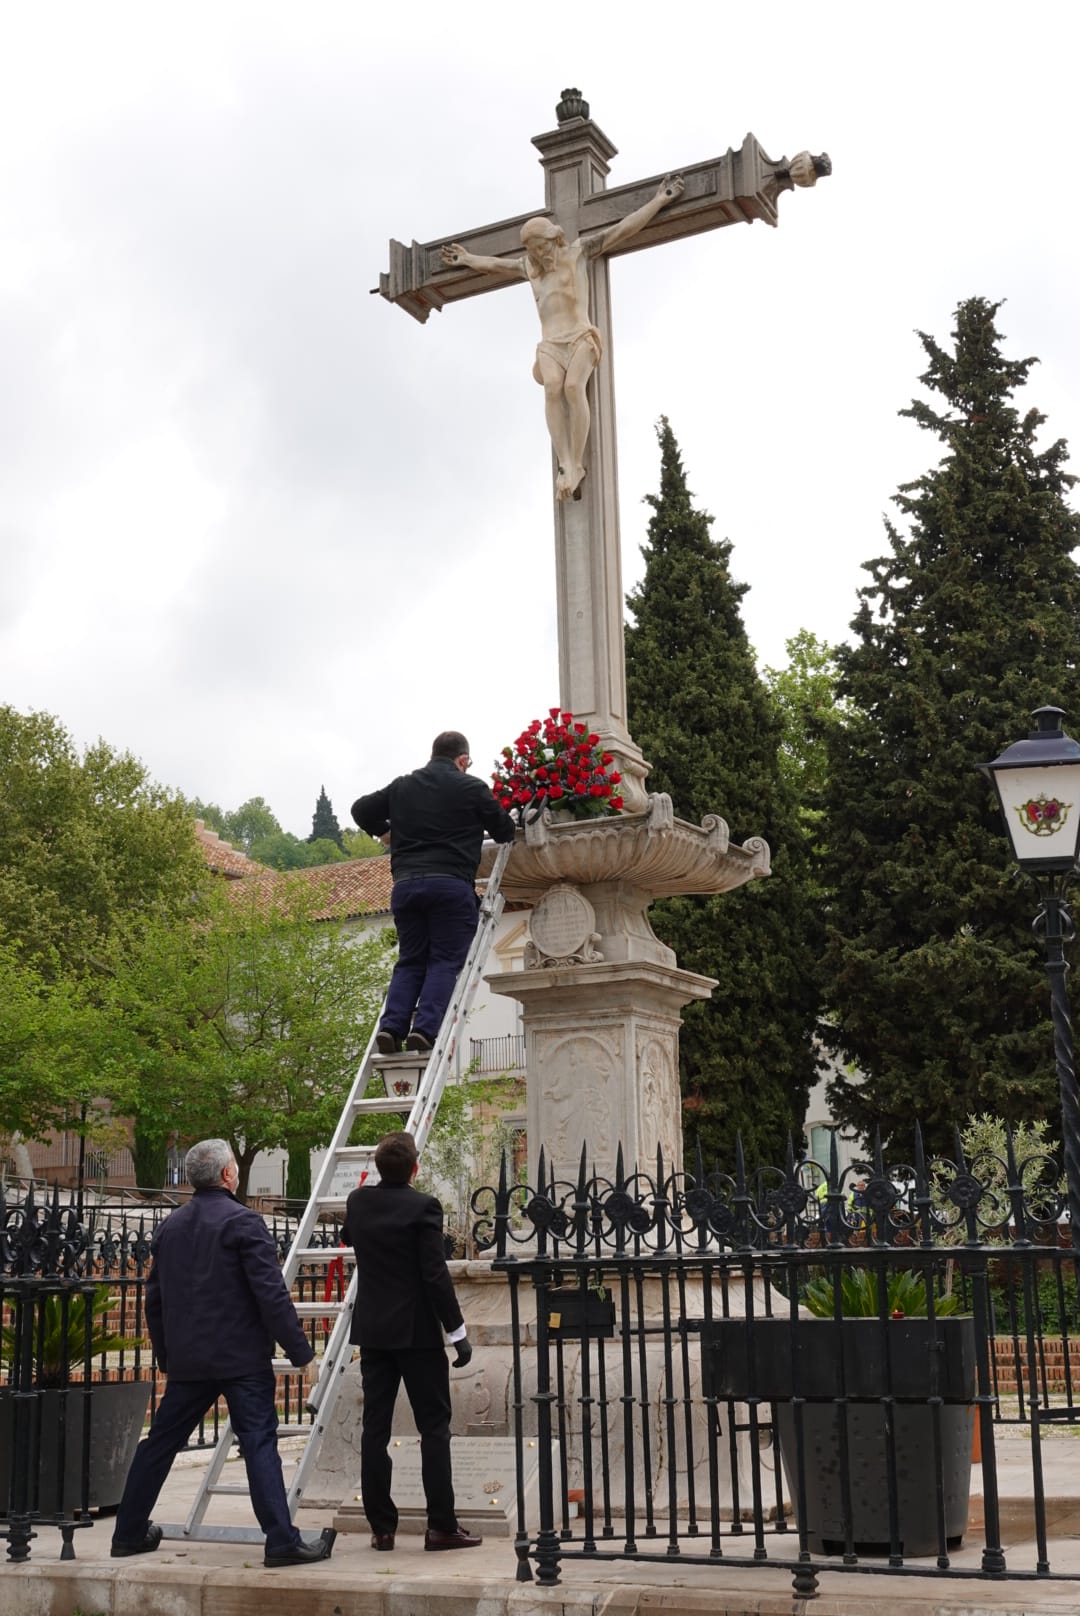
(60, 1331)
(860, 1296)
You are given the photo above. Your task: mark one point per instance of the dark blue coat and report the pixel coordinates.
(215, 1299)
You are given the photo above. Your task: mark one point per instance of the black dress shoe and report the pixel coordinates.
(450, 1540)
(382, 1540)
(154, 1535)
(388, 1043)
(418, 1043)
(305, 1552)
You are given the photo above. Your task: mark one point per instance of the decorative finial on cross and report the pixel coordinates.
(572, 105)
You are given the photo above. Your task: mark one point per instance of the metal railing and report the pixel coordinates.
(726, 1368)
(504, 1054)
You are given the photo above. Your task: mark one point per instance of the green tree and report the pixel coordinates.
(284, 851)
(249, 823)
(704, 718)
(247, 1022)
(86, 842)
(324, 825)
(358, 844)
(971, 620)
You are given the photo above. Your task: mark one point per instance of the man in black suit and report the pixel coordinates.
(404, 1301)
(215, 1304)
(436, 818)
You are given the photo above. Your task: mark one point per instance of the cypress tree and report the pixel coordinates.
(706, 722)
(970, 622)
(324, 821)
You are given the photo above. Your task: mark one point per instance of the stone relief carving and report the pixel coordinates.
(581, 1075)
(562, 931)
(659, 1088)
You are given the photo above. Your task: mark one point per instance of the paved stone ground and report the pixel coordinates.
(208, 1579)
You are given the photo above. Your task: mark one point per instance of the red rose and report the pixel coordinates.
(566, 717)
(556, 791)
(594, 740)
(596, 791)
(616, 802)
(606, 758)
(615, 777)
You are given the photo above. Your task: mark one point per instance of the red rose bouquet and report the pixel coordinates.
(558, 764)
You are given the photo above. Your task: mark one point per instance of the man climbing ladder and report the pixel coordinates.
(436, 818)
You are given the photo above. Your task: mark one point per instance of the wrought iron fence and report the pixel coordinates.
(503, 1054)
(756, 1370)
(78, 1376)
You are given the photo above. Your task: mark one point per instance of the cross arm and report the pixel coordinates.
(418, 280)
(737, 188)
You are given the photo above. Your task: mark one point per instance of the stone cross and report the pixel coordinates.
(738, 187)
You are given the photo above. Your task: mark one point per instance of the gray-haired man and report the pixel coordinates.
(215, 1305)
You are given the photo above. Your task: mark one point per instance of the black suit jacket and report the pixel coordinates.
(404, 1293)
(215, 1299)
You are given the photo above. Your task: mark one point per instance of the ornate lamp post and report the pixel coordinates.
(1038, 785)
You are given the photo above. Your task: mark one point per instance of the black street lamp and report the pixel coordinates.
(1038, 785)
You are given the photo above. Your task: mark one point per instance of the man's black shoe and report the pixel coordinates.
(388, 1043)
(306, 1551)
(418, 1043)
(382, 1540)
(450, 1540)
(154, 1535)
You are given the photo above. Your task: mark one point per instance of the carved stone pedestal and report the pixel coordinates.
(601, 994)
(602, 1050)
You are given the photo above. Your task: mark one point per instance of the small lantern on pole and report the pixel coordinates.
(1038, 787)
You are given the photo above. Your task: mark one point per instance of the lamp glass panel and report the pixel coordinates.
(1042, 810)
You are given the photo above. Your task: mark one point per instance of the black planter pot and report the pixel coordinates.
(117, 1412)
(860, 1359)
(575, 1313)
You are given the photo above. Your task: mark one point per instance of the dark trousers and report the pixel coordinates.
(254, 1422)
(426, 1373)
(435, 916)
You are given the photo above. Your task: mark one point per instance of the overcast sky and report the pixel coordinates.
(268, 532)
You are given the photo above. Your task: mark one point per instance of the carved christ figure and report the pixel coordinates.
(569, 347)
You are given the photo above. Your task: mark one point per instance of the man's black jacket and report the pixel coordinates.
(404, 1292)
(436, 817)
(215, 1299)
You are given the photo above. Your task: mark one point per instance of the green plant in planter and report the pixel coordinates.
(60, 1341)
(860, 1296)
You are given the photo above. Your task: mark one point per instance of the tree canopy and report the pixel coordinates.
(248, 1022)
(970, 621)
(705, 720)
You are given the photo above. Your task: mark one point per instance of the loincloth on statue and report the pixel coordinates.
(563, 349)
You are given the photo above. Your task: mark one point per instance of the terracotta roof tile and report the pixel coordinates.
(341, 891)
(222, 857)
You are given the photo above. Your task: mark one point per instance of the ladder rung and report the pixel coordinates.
(409, 1059)
(293, 1430)
(285, 1366)
(236, 1489)
(315, 1310)
(400, 1102)
(205, 1532)
(326, 1254)
(360, 1153)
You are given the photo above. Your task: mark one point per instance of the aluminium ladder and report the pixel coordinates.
(343, 1168)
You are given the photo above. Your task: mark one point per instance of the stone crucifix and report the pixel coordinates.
(563, 254)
